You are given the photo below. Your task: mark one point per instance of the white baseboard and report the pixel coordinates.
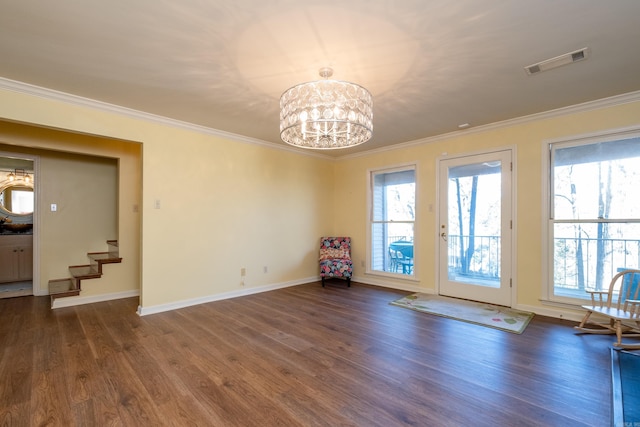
(384, 283)
(143, 311)
(557, 312)
(80, 300)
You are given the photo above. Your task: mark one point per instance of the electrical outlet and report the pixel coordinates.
(243, 272)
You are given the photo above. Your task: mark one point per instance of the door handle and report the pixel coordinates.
(444, 236)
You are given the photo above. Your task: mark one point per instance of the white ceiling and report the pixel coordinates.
(430, 64)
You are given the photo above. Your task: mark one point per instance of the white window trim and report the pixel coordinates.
(389, 169)
(547, 291)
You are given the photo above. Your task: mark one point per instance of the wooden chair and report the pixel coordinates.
(620, 304)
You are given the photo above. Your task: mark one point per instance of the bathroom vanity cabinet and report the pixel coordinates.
(16, 257)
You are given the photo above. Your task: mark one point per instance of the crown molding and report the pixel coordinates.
(611, 101)
(67, 98)
(51, 94)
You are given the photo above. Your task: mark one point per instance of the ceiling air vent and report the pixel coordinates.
(558, 61)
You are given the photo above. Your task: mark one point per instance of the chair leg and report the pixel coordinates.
(584, 319)
(322, 281)
(599, 328)
(348, 282)
(618, 327)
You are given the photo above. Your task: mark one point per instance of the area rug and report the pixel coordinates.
(493, 316)
(625, 379)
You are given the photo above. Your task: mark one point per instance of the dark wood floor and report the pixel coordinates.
(302, 356)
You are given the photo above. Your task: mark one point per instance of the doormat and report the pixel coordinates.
(493, 316)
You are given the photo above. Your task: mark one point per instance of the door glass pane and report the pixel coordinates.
(474, 218)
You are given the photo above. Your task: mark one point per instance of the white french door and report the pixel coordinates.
(475, 222)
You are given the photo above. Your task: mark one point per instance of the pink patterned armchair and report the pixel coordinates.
(335, 258)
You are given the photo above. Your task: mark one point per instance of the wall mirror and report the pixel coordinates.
(16, 198)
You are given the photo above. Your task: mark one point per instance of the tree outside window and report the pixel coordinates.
(595, 213)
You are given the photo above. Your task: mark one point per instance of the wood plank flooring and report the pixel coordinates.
(301, 356)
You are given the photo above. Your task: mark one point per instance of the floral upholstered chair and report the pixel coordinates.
(335, 258)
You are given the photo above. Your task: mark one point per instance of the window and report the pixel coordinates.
(393, 195)
(594, 220)
(22, 201)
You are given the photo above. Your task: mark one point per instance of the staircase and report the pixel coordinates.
(60, 288)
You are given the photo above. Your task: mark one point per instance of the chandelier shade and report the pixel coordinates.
(326, 114)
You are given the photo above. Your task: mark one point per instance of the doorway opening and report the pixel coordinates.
(17, 211)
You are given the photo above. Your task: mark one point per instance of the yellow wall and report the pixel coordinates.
(223, 204)
(526, 138)
(226, 204)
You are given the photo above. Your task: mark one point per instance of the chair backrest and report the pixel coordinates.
(623, 287)
(335, 247)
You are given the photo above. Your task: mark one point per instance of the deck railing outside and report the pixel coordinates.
(483, 263)
(573, 274)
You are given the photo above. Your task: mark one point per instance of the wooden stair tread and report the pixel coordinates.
(71, 286)
(63, 288)
(105, 257)
(84, 272)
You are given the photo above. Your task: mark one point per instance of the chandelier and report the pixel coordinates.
(326, 114)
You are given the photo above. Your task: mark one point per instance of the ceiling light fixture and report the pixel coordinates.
(326, 114)
(19, 174)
